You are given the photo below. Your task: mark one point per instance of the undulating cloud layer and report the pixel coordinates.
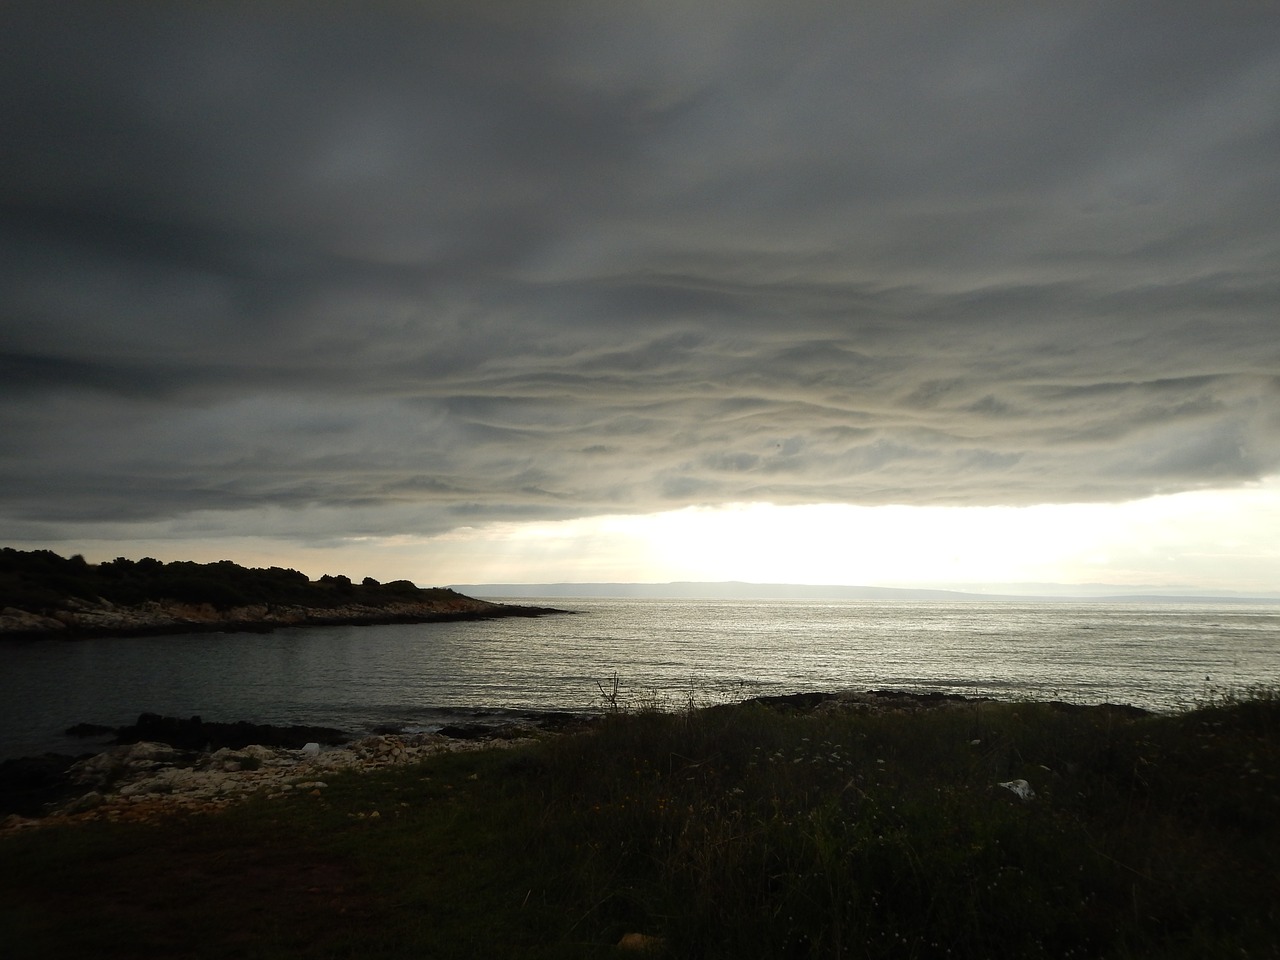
(357, 269)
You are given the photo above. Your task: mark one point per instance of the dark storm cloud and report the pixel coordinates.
(401, 267)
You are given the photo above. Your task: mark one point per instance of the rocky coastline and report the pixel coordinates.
(164, 765)
(76, 618)
(161, 765)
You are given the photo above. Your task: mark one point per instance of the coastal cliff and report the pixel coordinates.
(46, 595)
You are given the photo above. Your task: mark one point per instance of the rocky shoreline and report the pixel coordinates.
(149, 778)
(77, 618)
(164, 765)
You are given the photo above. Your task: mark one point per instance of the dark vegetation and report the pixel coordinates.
(735, 832)
(41, 580)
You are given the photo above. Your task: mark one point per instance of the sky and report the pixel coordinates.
(885, 293)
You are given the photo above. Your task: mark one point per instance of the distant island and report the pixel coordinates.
(43, 594)
(739, 590)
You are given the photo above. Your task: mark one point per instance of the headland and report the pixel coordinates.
(44, 595)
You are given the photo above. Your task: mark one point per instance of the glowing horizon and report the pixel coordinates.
(1213, 540)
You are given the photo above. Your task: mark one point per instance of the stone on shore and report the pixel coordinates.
(143, 780)
(196, 734)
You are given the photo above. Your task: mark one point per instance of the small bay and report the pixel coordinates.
(664, 652)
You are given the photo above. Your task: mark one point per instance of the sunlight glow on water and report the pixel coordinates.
(1156, 656)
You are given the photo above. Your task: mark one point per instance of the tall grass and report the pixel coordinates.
(743, 832)
(739, 832)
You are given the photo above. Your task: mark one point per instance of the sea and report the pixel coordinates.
(637, 653)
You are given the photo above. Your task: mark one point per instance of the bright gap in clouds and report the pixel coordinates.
(1207, 540)
(1223, 540)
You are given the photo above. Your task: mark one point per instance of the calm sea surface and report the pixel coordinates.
(421, 676)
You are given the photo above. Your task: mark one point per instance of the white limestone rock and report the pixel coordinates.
(1019, 788)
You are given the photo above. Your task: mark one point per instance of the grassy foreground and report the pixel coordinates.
(728, 832)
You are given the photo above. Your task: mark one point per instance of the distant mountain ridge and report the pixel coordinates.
(733, 589)
(740, 590)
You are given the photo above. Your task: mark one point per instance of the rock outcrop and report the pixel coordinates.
(196, 734)
(143, 780)
(195, 765)
(91, 618)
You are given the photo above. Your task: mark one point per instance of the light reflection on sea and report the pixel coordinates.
(663, 651)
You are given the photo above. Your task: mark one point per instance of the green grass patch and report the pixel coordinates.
(729, 832)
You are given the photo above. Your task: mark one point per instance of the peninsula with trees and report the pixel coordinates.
(43, 594)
